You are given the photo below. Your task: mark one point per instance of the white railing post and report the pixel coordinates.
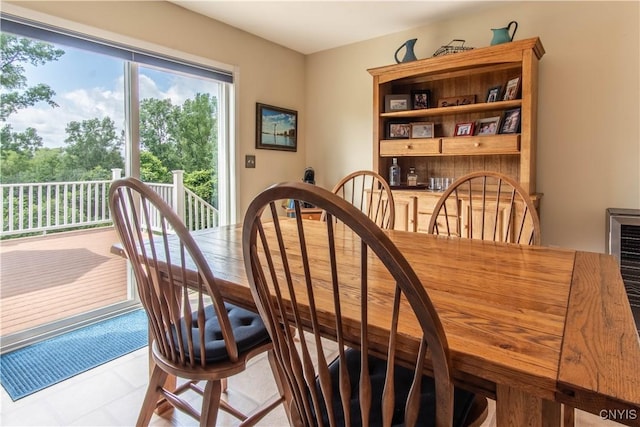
(178, 193)
(116, 173)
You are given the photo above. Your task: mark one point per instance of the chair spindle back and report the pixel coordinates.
(487, 206)
(174, 298)
(302, 272)
(370, 193)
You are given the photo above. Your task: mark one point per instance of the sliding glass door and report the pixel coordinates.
(77, 114)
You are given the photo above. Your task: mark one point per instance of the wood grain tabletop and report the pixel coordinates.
(551, 323)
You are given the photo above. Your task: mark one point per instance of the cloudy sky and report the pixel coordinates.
(89, 85)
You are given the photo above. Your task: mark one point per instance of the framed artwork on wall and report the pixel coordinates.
(276, 128)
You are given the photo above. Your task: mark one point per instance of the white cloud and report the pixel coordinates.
(183, 88)
(76, 105)
(99, 102)
(148, 88)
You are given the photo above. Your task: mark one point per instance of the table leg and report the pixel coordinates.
(515, 407)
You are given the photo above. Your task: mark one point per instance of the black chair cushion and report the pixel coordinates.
(248, 330)
(463, 400)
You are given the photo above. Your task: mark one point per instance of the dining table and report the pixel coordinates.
(532, 327)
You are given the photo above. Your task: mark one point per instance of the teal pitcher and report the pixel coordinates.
(408, 54)
(501, 35)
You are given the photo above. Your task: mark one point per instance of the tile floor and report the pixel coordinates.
(111, 394)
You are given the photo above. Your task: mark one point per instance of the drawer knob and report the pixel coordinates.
(409, 147)
(476, 144)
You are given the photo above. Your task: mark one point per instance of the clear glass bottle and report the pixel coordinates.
(394, 173)
(412, 177)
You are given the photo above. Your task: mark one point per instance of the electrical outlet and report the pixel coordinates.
(249, 161)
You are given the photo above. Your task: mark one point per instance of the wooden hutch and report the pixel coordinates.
(457, 77)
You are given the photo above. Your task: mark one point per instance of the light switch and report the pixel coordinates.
(249, 161)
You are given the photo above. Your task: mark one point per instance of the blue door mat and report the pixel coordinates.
(38, 366)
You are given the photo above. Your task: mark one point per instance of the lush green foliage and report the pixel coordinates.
(93, 143)
(205, 184)
(15, 52)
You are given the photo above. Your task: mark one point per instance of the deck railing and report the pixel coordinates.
(46, 206)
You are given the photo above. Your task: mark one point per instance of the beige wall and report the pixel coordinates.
(588, 123)
(588, 136)
(265, 72)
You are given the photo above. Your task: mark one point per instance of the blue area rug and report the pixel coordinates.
(38, 366)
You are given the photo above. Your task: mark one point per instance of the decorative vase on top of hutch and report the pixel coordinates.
(501, 35)
(476, 73)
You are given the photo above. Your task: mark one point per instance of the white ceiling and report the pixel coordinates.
(313, 26)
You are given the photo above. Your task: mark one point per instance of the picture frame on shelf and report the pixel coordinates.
(422, 130)
(401, 102)
(511, 89)
(493, 94)
(464, 129)
(276, 128)
(398, 130)
(488, 126)
(511, 121)
(420, 99)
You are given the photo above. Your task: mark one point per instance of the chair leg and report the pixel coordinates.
(210, 403)
(158, 377)
(283, 390)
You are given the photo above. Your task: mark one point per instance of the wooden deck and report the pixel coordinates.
(49, 278)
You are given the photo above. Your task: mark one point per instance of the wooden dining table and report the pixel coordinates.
(531, 327)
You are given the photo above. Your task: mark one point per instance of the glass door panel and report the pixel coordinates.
(62, 144)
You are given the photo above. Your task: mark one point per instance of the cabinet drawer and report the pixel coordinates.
(498, 144)
(409, 147)
(306, 213)
(313, 216)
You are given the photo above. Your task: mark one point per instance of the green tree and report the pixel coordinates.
(16, 148)
(15, 52)
(197, 133)
(13, 166)
(96, 174)
(204, 183)
(181, 138)
(93, 143)
(152, 169)
(158, 119)
(25, 143)
(46, 164)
